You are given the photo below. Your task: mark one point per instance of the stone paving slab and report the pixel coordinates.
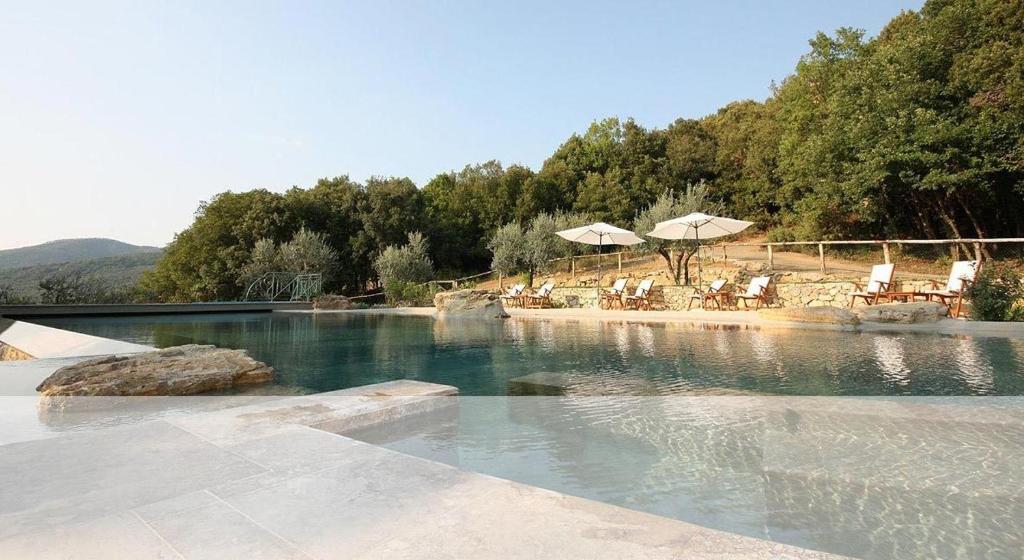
(259, 481)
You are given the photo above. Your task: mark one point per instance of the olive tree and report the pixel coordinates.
(676, 253)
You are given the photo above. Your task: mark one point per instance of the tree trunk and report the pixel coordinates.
(672, 270)
(683, 265)
(978, 230)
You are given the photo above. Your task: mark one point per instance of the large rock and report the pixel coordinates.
(903, 313)
(10, 353)
(469, 303)
(180, 370)
(331, 302)
(825, 315)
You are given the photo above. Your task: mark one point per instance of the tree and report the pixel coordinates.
(407, 264)
(676, 253)
(508, 249)
(307, 253)
(263, 258)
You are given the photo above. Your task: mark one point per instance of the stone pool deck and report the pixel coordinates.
(273, 478)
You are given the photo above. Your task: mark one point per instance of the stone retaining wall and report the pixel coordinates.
(791, 294)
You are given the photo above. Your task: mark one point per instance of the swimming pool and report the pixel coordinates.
(873, 478)
(313, 353)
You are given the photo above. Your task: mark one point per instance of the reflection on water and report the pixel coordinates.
(868, 478)
(490, 357)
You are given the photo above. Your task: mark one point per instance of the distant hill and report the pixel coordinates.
(69, 250)
(122, 271)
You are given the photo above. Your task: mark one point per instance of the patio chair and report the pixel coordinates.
(611, 298)
(960, 277)
(760, 291)
(539, 299)
(641, 299)
(717, 294)
(513, 296)
(879, 283)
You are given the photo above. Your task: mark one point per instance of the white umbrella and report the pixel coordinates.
(600, 234)
(697, 226)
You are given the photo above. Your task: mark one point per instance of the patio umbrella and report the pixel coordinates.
(698, 226)
(600, 234)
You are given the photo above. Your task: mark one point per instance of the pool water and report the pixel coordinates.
(873, 478)
(314, 353)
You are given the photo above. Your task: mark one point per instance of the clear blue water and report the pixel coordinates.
(324, 352)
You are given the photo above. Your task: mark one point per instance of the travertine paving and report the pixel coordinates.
(270, 479)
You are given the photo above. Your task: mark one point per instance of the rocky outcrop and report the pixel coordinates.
(331, 302)
(10, 353)
(903, 313)
(824, 315)
(469, 303)
(180, 370)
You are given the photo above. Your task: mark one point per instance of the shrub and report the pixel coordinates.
(997, 294)
(409, 294)
(407, 264)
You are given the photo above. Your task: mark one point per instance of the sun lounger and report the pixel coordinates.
(716, 294)
(539, 299)
(879, 283)
(641, 299)
(613, 297)
(960, 277)
(760, 291)
(513, 297)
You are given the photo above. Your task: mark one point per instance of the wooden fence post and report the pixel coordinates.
(572, 261)
(620, 261)
(501, 279)
(821, 256)
(977, 251)
(885, 253)
(771, 258)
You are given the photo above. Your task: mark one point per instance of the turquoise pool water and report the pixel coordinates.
(314, 353)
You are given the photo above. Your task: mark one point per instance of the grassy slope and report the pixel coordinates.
(118, 271)
(68, 250)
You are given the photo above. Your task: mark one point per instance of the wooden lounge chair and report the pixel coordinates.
(641, 299)
(717, 295)
(539, 299)
(960, 277)
(613, 297)
(513, 297)
(760, 291)
(879, 283)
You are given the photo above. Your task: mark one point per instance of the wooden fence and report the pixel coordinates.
(977, 248)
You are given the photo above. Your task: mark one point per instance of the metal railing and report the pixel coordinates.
(285, 286)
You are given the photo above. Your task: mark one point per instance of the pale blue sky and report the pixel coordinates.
(116, 119)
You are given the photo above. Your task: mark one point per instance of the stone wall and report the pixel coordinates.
(794, 290)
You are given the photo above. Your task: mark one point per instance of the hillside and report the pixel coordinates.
(69, 250)
(120, 271)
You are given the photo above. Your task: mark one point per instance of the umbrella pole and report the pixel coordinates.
(600, 239)
(696, 235)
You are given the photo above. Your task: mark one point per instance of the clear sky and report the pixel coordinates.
(116, 119)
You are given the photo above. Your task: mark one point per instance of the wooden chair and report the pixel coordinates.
(717, 295)
(513, 297)
(641, 299)
(760, 291)
(879, 282)
(539, 299)
(613, 297)
(960, 277)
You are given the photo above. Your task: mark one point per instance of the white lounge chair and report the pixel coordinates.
(760, 291)
(613, 297)
(641, 299)
(960, 277)
(513, 296)
(879, 283)
(541, 298)
(714, 294)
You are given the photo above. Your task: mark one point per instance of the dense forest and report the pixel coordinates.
(915, 133)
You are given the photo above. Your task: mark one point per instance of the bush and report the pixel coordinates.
(408, 264)
(997, 294)
(8, 296)
(409, 294)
